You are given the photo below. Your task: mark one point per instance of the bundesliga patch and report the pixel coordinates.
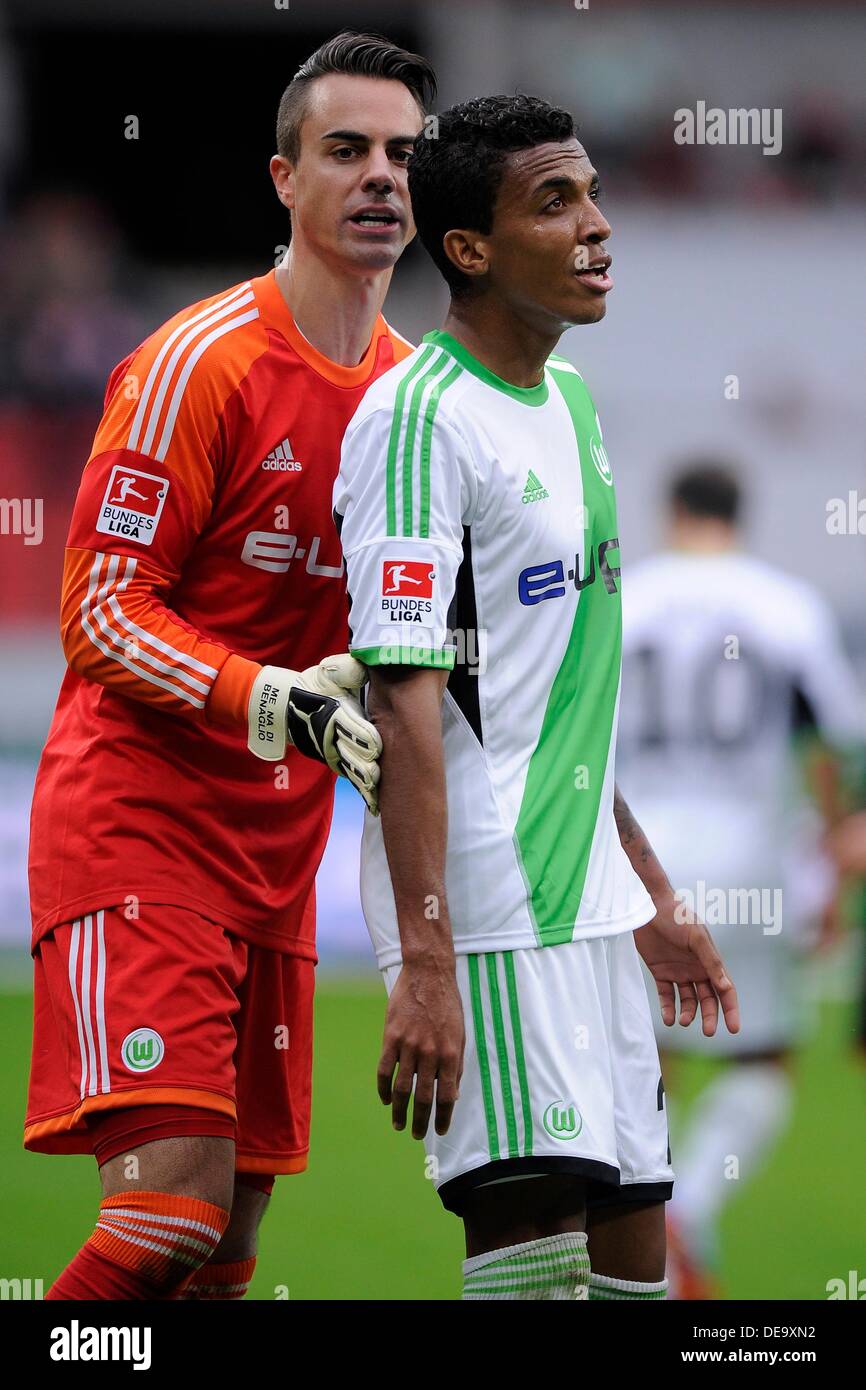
(407, 590)
(132, 504)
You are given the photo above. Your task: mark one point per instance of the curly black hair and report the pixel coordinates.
(457, 164)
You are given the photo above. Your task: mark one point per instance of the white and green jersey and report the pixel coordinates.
(478, 523)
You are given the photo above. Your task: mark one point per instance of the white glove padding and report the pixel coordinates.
(318, 711)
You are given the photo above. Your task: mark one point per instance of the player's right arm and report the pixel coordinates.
(146, 494)
(401, 515)
(424, 1030)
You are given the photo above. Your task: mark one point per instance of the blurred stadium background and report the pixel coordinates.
(730, 264)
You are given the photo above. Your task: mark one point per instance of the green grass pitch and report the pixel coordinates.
(363, 1223)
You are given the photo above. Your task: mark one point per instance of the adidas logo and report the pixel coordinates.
(534, 490)
(280, 460)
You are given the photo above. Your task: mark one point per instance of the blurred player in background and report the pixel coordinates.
(475, 495)
(172, 874)
(725, 659)
(846, 845)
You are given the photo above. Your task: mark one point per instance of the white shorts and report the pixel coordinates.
(561, 1074)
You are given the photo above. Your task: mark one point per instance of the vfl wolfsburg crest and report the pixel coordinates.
(142, 1050)
(562, 1121)
(601, 460)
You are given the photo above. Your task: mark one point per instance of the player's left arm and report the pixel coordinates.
(676, 948)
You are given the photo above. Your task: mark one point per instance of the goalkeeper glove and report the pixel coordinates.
(318, 712)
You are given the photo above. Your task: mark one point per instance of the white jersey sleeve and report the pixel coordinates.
(405, 490)
(825, 678)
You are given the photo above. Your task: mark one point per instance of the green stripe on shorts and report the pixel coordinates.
(519, 1055)
(502, 1055)
(483, 1062)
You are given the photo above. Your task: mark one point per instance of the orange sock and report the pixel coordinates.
(158, 1239)
(222, 1281)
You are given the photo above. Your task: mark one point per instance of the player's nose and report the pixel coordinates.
(379, 172)
(596, 227)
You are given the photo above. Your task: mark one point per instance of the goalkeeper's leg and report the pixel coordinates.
(227, 1274)
(155, 1230)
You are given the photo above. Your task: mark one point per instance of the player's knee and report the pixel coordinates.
(166, 1206)
(250, 1202)
(198, 1166)
(516, 1212)
(160, 1238)
(627, 1242)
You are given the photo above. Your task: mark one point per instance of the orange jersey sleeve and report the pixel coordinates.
(146, 493)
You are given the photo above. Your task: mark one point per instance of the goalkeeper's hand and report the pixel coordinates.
(318, 711)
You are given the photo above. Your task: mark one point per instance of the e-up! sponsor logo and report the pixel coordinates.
(562, 1121)
(274, 552)
(540, 582)
(407, 591)
(132, 504)
(142, 1050)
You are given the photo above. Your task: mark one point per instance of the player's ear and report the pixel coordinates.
(468, 251)
(283, 175)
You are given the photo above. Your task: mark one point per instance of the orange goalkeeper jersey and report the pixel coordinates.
(201, 545)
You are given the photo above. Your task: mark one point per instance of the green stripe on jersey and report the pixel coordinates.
(394, 438)
(558, 812)
(412, 421)
(426, 442)
(415, 399)
(527, 395)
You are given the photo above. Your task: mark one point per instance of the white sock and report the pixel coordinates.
(731, 1128)
(603, 1287)
(555, 1267)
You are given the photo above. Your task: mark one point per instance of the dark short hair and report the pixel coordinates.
(358, 55)
(707, 488)
(454, 176)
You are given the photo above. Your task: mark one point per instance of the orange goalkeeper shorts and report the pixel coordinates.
(171, 1009)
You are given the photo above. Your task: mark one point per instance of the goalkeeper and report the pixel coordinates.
(172, 872)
